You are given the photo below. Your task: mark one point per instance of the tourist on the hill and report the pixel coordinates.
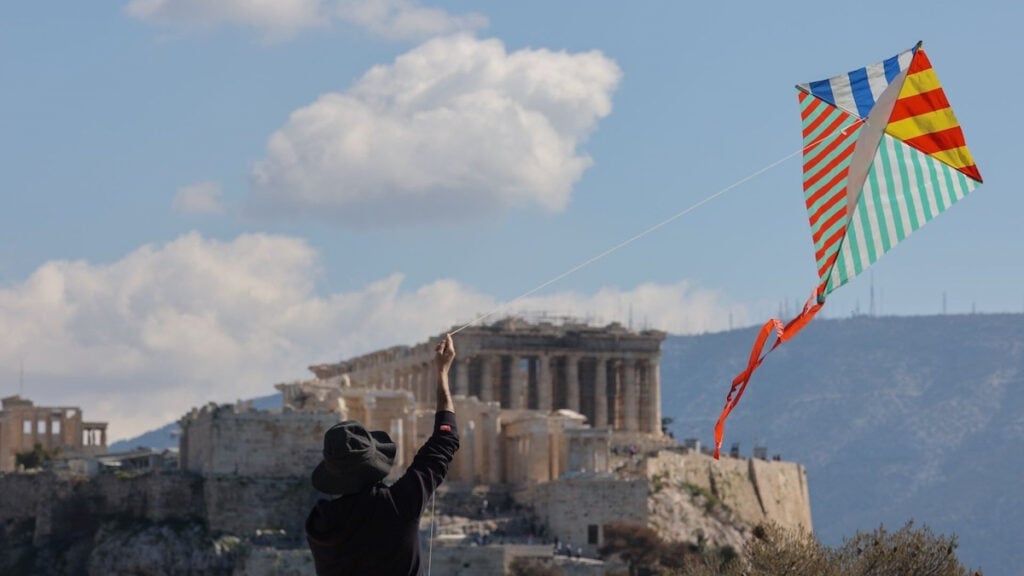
(373, 529)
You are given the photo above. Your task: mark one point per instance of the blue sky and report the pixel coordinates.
(201, 198)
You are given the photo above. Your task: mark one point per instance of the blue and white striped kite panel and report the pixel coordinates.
(857, 91)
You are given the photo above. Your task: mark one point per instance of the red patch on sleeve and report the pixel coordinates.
(445, 428)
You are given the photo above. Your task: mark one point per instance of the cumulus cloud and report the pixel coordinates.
(281, 19)
(457, 127)
(277, 19)
(140, 341)
(406, 19)
(200, 198)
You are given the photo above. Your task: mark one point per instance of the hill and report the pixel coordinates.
(895, 418)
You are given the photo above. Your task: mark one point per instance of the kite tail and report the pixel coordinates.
(783, 333)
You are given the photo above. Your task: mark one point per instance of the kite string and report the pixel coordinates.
(633, 238)
(430, 549)
(614, 248)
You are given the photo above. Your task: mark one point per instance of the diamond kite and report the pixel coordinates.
(883, 154)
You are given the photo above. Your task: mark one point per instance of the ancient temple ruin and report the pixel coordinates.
(24, 425)
(608, 374)
(535, 401)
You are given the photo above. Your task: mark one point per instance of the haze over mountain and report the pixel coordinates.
(895, 418)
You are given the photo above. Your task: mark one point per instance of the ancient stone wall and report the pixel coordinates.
(469, 560)
(59, 507)
(755, 489)
(233, 504)
(219, 440)
(241, 505)
(575, 510)
(267, 561)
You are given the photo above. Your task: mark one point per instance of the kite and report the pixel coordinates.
(883, 154)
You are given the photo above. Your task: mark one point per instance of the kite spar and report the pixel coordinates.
(883, 155)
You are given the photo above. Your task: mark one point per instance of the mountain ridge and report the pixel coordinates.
(895, 418)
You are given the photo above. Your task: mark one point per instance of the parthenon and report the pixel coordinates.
(608, 374)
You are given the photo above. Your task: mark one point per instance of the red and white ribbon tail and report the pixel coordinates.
(758, 354)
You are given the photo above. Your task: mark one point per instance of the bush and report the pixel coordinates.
(772, 550)
(637, 545)
(647, 554)
(908, 550)
(35, 457)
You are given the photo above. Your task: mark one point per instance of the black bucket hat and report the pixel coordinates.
(354, 459)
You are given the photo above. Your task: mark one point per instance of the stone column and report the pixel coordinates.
(423, 386)
(654, 394)
(630, 392)
(412, 382)
(601, 393)
(491, 434)
(487, 379)
(572, 382)
(544, 384)
(430, 383)
(461, 376)
(517, 384)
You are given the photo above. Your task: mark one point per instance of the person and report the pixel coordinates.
(370, 528)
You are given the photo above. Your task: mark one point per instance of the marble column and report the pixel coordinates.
(487, 379)
(461, 377)
(424, 371)
(654, 395)
(544, 383)
(492, 435)
(412, 382)
(517, 384)
(630, 393)
(572, 382)
(601, 393)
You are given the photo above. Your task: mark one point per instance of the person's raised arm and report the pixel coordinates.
(443, 360)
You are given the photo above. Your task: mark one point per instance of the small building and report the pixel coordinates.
(24, 425)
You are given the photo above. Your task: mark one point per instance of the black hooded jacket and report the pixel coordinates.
(376, 532)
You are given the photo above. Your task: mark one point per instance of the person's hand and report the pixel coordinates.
(445, 353)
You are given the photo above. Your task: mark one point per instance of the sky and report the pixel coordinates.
(201, 198)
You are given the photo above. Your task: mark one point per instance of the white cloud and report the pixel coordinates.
(142, 340)
(406, 19)
(457, 127)
(281, 19)
(277, 19)
(200, 198)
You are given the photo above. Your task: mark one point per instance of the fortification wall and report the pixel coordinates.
(493, 560)
(222, 440)
(232, 504)
(59, 507)
(574, 508)
(756, 490)
(154, 497)
(266, 561)
(241, 505)
(469, 560)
